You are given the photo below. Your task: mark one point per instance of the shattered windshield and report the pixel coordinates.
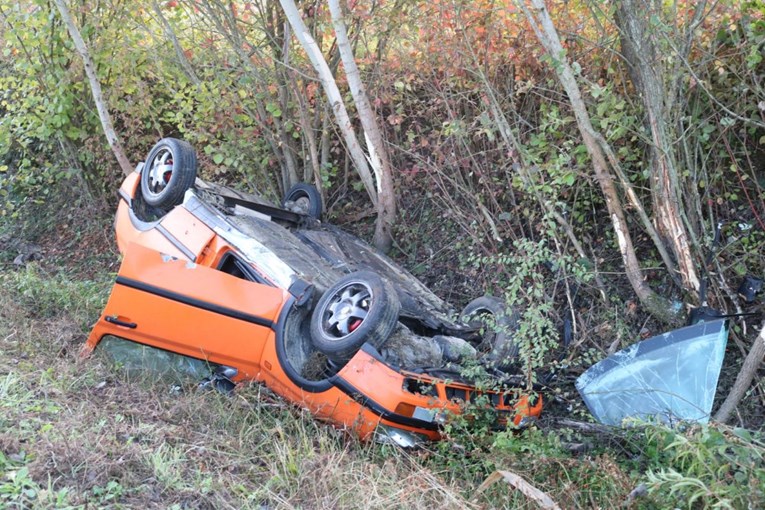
(670, 377)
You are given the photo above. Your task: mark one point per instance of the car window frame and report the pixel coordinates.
(250, 273)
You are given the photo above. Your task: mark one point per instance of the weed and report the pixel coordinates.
(166, 464)
(17, 489)
(112, 491)
(11, 392)
(44, 295)
(713, 466)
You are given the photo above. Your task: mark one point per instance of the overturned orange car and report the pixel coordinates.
(271, 294)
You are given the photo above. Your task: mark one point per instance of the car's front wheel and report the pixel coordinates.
(361, 307)
(170, 169)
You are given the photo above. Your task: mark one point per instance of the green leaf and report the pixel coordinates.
(218, 158)
(274, 109)
(727, 121)
(742, 433)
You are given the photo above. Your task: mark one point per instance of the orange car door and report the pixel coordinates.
(190, 309)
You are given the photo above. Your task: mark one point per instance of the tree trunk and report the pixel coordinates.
(95, 88)
(333, 94)
(311, 171)
(744, 378)
(545, 31)
(282, 63)
(648, 75)
(378, 153)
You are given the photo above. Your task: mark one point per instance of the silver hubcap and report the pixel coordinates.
(347, 309)
(160, 171)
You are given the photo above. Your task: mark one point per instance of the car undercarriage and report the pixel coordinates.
(273, 294)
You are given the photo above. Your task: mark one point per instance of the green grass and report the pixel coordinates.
(80, 433)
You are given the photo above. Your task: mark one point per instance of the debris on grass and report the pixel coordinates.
(540, 498)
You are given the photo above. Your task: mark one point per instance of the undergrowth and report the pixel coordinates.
(81, 434)
(47, 295)
(713, 467)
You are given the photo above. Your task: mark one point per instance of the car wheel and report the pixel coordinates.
(170, 169)
(361, 307)
(499, 326)
(304, 198)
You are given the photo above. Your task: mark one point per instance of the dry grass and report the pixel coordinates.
(76, 433)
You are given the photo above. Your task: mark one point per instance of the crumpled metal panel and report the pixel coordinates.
(667, 378)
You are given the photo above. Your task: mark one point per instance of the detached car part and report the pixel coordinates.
(667, 378)
(271, 294)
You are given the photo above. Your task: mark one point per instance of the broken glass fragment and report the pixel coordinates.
(667, 378)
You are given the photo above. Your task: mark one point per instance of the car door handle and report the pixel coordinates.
(114, 320)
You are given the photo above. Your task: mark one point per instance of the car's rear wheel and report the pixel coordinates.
(170, 169)
(361, 307)
(305, 199)
(499, 326)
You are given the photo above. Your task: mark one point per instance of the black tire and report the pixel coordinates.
(305, 198)
(170, 169)
(361, 307)
(499, 326)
